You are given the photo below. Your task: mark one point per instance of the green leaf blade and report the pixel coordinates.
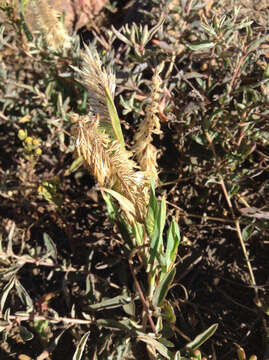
(114, 118)
(162, 289)
(201, 338)
(173, 240)
(81, 346)
(201, 46)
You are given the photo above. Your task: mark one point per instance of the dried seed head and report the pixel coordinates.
(145, 152)
(100, 84)
(101, 144)
(111, 164)
(49, 24)
(92, 146)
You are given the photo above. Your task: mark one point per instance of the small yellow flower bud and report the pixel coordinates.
(22, 134)
(29, 140)
(35, 141)
(40, 189)
(38, 152)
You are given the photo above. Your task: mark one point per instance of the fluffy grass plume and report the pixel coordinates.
(111, 165)
(101, 144)
(146, 153)
(101, 86)
(48, 22)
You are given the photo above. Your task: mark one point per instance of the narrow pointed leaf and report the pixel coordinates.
(173, 239)
(177, 356)
(201, 46)
(121, 37)
(156, 241)
(5, 292)
(138, 232)
(10, 239)
(110, 206)
(162, 289)
(155, 28)
(81, 346)
(162, 349)
(111, 303)
(74, 166)
(126, 324)
(23, 295)
(161, 222)
(125, 204)
(201, 338)
(24, 25)
(25, 334)
(115, 121)
(255, 44)
(51, 247)
(169, 312)
(152, 212)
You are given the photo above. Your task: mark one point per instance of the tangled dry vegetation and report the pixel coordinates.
(134, 182)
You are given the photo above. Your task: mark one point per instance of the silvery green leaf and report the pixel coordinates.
(6, 291)
(121, 37)
(112, 303)
(152, 212)
(201, 338)
(162, 288)
(50, 246)
(162, 349)
(201, 45)
(23, 294)
(10, 239)
(173, 239)
(25, 334)
(81, 346)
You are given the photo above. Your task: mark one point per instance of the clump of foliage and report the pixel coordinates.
(193, 83)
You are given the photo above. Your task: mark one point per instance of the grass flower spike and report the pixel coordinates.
(145, 152)
(101, 144)
(101, 86)
(48, 22)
